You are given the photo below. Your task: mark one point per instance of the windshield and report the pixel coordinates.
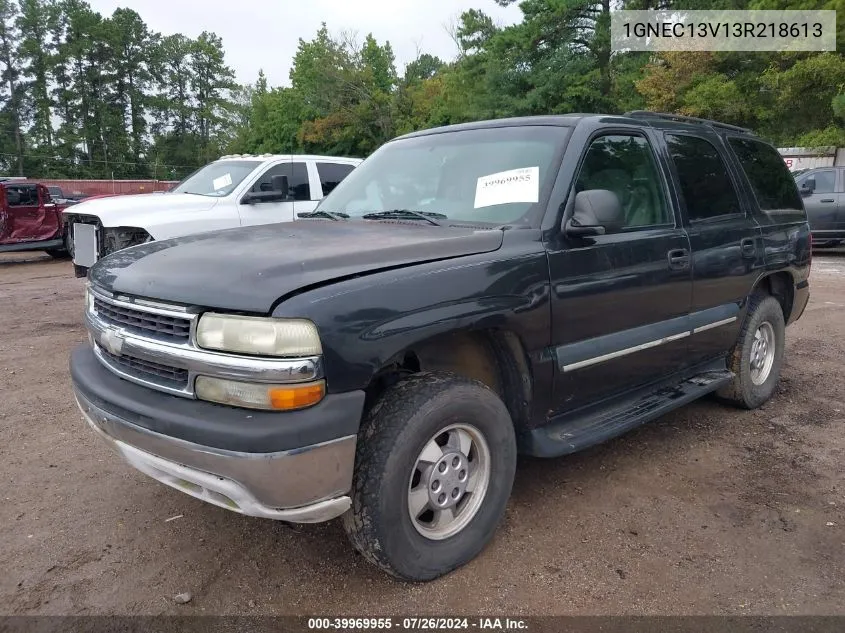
(489, 175)
(217, 179)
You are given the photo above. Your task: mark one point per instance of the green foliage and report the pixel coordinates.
(557, 60)
(87, 95)
(832, 135)
(83, 95)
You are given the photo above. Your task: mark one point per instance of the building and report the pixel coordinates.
(800, 158)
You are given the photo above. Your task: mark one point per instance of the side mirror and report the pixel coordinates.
(807, 187)
(278, 193)
(280, 183)
(597, 211)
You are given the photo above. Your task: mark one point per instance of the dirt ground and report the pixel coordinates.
(708, 510)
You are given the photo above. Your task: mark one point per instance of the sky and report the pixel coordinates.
(263, 34)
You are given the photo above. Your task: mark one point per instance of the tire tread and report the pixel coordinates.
(379, 432)
(734, 393)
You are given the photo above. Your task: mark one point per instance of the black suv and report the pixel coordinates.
(533, 285)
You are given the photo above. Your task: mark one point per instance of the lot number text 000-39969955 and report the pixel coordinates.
(417, 624)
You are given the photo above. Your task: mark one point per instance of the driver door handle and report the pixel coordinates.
(678, 259)
(748, 248)
(827, 200)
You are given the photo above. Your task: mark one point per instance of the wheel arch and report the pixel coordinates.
(781, 286)
(495, 357)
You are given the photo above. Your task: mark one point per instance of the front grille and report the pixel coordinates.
(172, 377)
(158, 326)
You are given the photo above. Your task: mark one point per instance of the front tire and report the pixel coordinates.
(433, 474)
(757, 357)
(66, 250)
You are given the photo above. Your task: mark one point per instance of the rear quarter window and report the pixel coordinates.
(773, 185)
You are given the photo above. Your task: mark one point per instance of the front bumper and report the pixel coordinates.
(304, 477)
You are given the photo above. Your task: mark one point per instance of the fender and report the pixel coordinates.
(366, 321)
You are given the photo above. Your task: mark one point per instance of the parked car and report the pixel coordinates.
(97, 196)
(236, 190)
(60, 197)
(823, 191)
(30, 220)
(534, 285)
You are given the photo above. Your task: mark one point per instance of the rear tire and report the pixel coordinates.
(422, 504)
(757, 357)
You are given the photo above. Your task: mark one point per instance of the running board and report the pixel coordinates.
(580, 430)
(31, 246)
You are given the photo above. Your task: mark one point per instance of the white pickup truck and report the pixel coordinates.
(236, 190)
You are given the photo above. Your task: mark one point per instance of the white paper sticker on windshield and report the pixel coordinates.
(221, 183)
(515, 185)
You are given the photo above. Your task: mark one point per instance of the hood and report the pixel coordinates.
(250, 269)
(140, 209)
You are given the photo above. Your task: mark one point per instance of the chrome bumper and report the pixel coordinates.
(305, 485)
(196, 361)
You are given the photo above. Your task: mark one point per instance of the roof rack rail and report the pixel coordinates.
(646, 114)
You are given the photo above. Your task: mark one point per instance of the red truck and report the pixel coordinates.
(30, 220)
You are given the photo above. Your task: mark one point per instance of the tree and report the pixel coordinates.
(212, 82)
(172, 106)
(670, 75)
(9, 38)
(344, 93)
(424, 67)
(172, 72)
(803, 94)
(91, 96)
(37, 55)
(131, 73)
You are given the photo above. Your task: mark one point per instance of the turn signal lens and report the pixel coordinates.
(258, 395)
(288, 398)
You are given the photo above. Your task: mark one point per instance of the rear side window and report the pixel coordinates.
(297, 174)
(331, 174)
(705, 184)
(773, 185)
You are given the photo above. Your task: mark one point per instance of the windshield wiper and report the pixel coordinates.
(323, 214)
(406, 214)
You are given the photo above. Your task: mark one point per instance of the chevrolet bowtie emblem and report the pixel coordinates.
(112, 341)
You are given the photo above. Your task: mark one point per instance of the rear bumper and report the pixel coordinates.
(304, 476)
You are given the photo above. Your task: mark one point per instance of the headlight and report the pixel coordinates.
(260, 396)
(89, 298)
(258, 335)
